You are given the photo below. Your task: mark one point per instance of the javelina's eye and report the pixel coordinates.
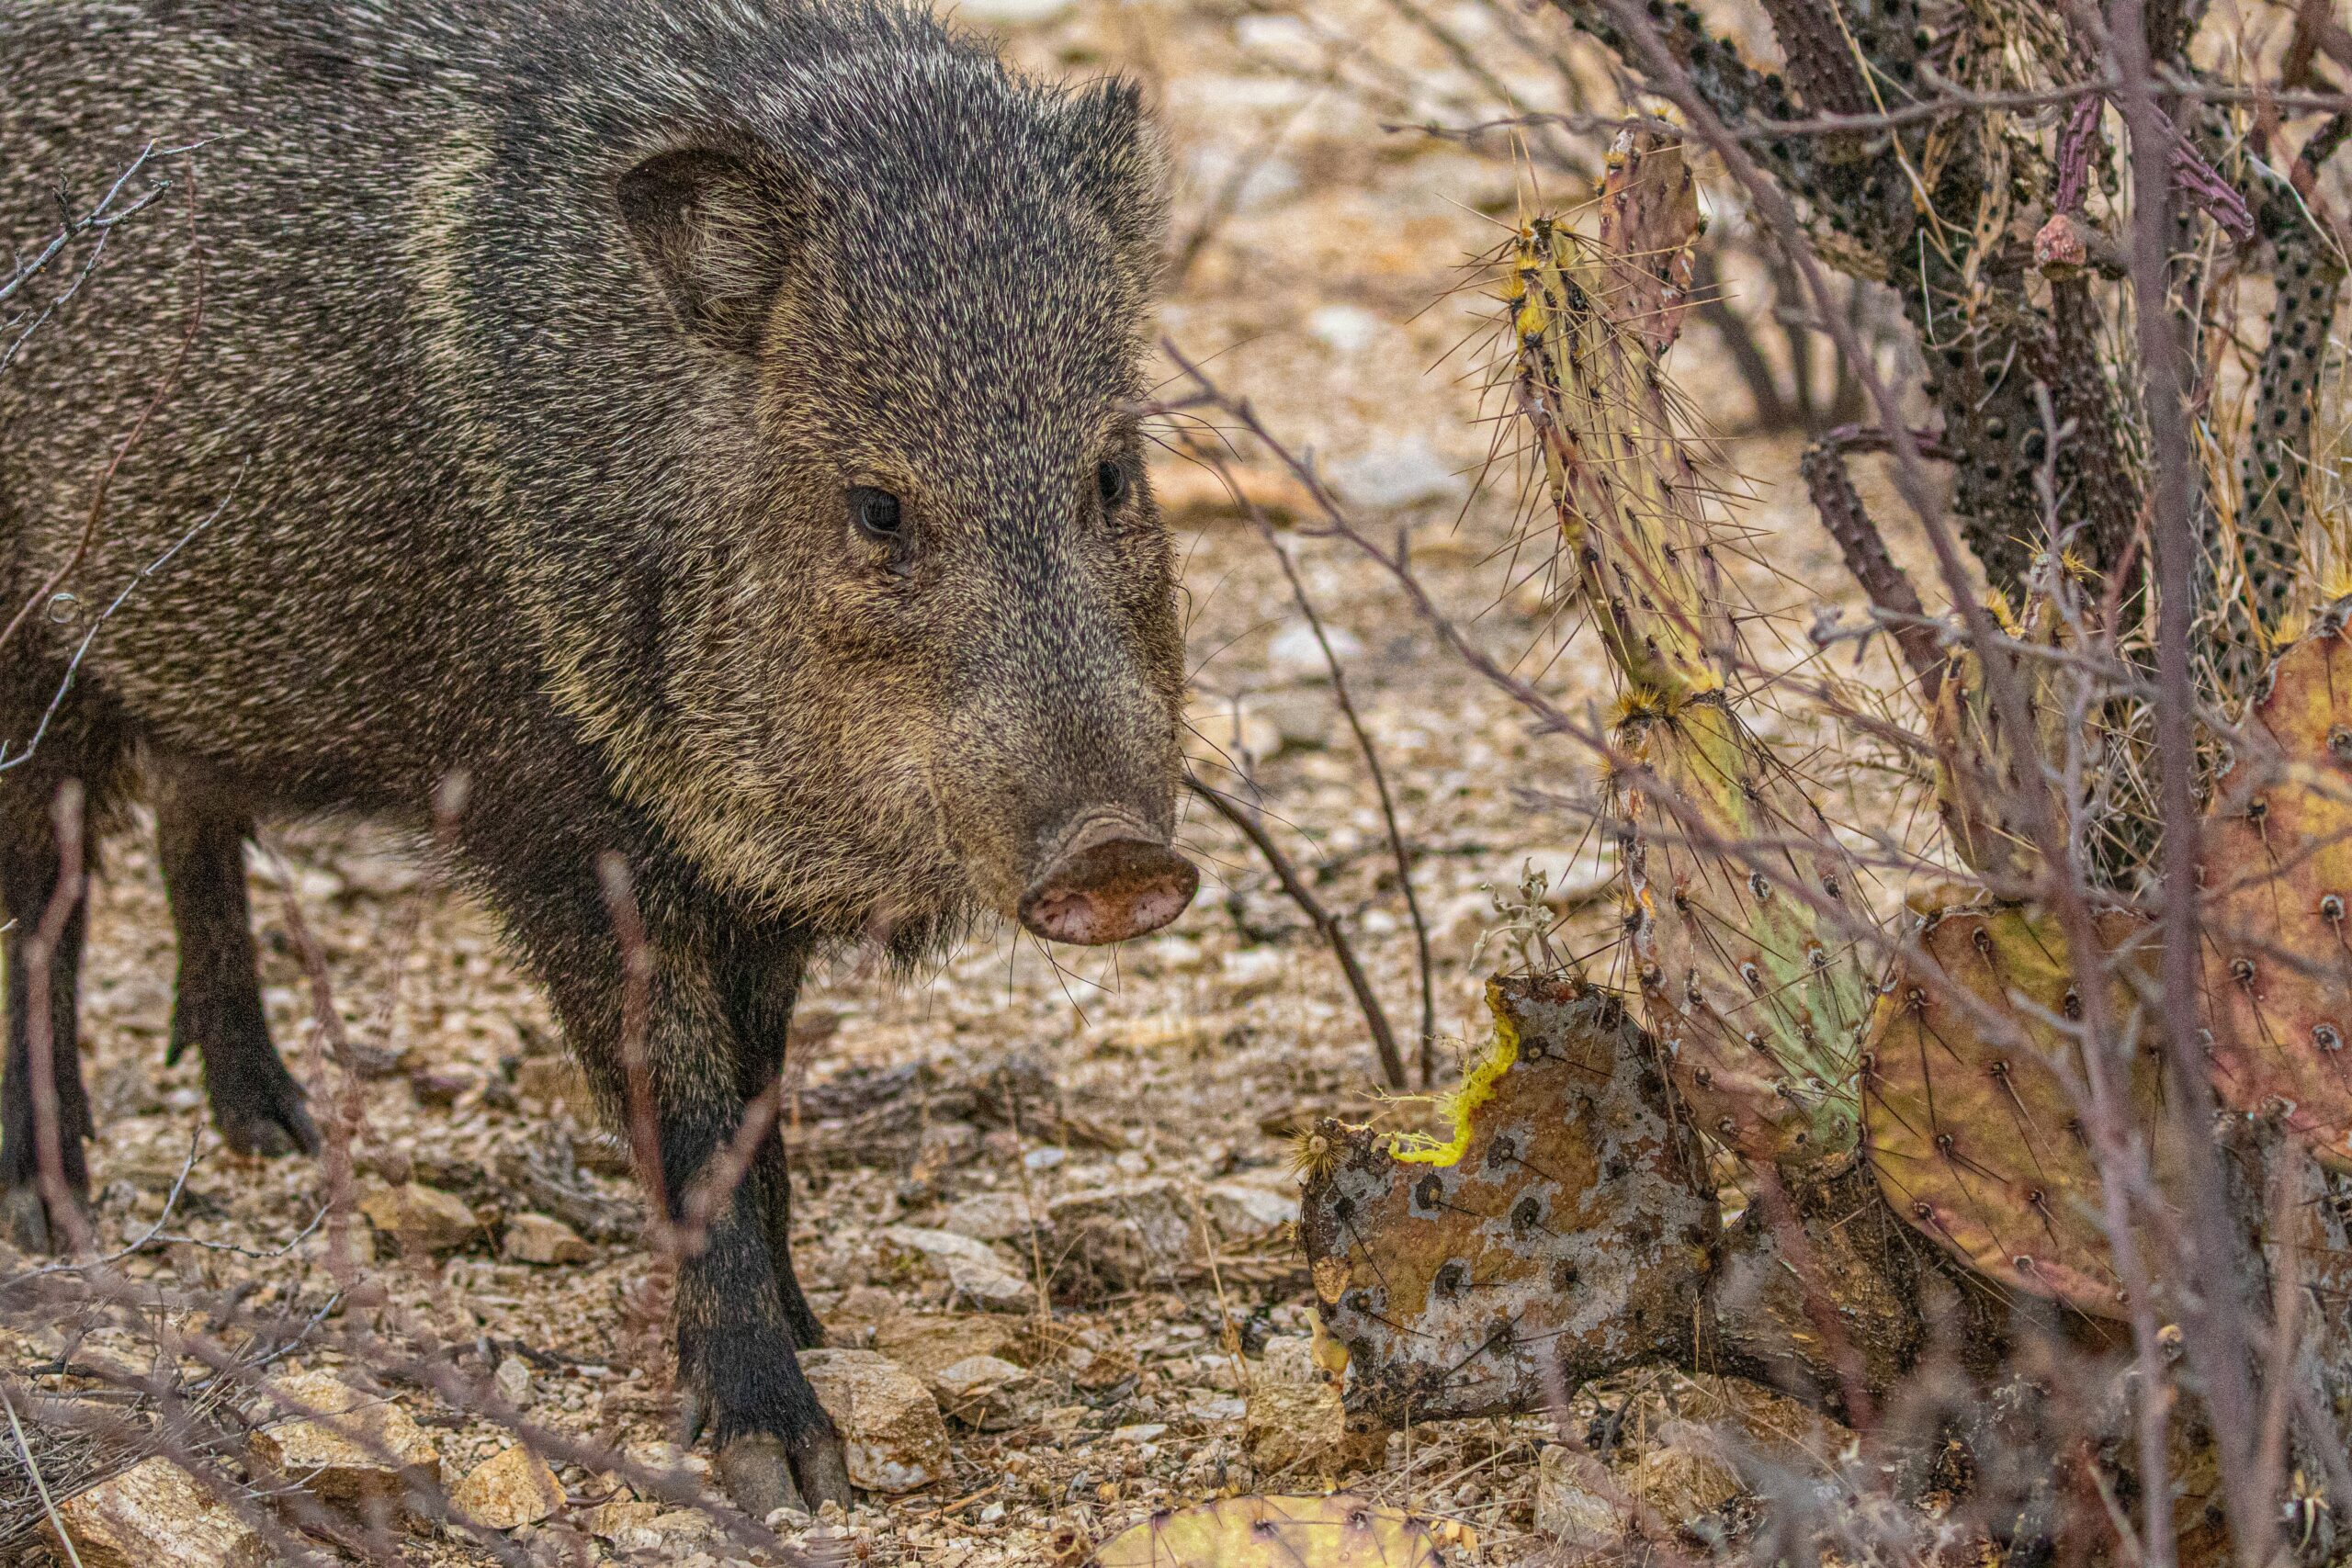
(1111, 481)
(876, 513)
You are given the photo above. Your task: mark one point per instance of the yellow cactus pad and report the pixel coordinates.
(1275, 1532)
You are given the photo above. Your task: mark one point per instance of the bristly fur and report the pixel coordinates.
(540, 346)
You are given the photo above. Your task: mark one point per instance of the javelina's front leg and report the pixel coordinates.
(736, 1361)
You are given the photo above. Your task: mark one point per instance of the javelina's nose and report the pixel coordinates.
(1110, 880)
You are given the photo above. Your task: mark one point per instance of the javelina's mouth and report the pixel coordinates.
(1110, 880)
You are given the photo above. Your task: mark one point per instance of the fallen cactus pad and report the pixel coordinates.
(1972, 1132)
(2278, 884)
(1564, 1231)
(1275, 1532)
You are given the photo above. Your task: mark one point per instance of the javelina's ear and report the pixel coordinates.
(1124, 167)
(718, 233)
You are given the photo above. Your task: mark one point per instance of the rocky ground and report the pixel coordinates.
(1107, 1128)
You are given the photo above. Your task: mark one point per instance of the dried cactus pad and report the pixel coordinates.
(1275, 1532)
(2278, 883)
(1566, 1225)
(1973, 1133)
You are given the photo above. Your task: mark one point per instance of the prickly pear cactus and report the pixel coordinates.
(1275, 1532)
(2278, 889)
(1745, 907)
(1564, 1231)
(1974, 1134)
(1982, 772)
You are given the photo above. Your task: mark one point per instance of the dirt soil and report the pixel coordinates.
(1326, 282)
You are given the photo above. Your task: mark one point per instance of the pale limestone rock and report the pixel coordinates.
(1580, 1523)
(1128, 1234)
(888, 1421)
(980, 1392)
(989, 1287)
(358, 1449)
(156, 1515)
(508, 1490)
(990, 1216)
(1287, 1425)
(1245, 1213)
(925, 1342)
(513, 1380)
(540, 1238)
(420, 1218)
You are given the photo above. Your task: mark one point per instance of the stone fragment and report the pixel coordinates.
(625, 1522)
(990, 1216)
(1580, 1523)
(1290, 1357)
(156, 1515)
(989, 1287)
(1287, 1425)
(359, 1450)
(1127, 1235)
(925, 1342)
(1409, 472)
(1679, 1477)
(1011, 13)
(888, 1421)
(538, 1238)
(513, 1380)
(1296, 654)
(1244, 1213)
(942, 1245)
(508, 1490)
(420, 1218)
(976, 1271)
(980, 1392)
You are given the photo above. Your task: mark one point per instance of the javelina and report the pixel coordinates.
(706, 426)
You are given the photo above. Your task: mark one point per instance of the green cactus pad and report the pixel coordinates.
(1974, 1134)
(1757, 1000)
(2278, 888)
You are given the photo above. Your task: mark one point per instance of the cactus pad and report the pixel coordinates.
(1275, 1532)
(2278, 888)
(1973, 1132)
(1757, 1000)
(1744, 906)
(1563, 1232)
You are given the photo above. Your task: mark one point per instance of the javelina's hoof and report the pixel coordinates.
(756, 1470)
(823, 1469)
(267, 1119)
(27, 1220)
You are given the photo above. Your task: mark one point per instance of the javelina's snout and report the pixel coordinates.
(1109, 879)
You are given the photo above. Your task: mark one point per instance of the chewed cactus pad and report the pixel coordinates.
(1565, 1226)
(2278, 888)
(1275, 1532)
(1974, 1134)
(1756, 996)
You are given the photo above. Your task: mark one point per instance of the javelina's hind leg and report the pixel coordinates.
(217, 1005)
(28, 880)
